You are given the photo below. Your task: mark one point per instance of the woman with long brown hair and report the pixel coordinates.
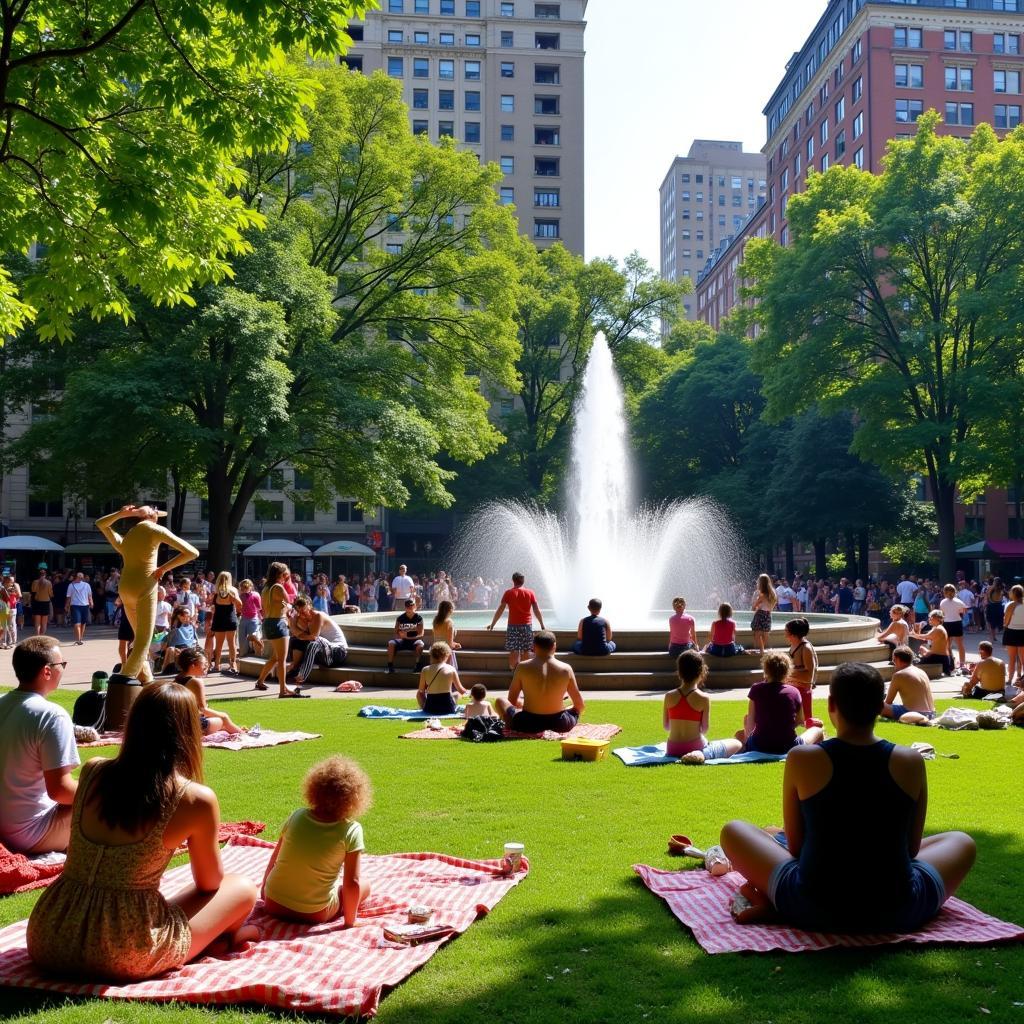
(276, 602)
(105, 917)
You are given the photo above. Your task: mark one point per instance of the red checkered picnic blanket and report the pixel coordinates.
(702, 901)
(223, 740)
(578, 732)
(321, 968)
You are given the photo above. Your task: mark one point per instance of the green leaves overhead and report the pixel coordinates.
(121, 122)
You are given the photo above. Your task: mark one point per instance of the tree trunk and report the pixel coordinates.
(790, 563)
(820, 568)
(178, 505)
(222, 536)
(864, 543)
(851, 552)
(945, 504)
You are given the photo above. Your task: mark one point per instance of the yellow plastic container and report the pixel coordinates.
(584, 750)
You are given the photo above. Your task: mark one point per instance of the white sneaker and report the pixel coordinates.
(716, 861)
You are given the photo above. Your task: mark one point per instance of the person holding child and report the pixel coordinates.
(763, 604)
(320, 844)
(723, 634)
(685, 715)
(105, 917)
(437, 681)
(682, 629)
(833, 796)
(910, 691)
(775, 710)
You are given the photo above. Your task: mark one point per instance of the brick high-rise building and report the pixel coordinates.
(505, 78)
(706, 197)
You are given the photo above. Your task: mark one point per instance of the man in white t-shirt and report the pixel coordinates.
(966, 595)
(801, 598)
(786, 597)
(402, 585)
(79, 604)
(906, 589)
(37, 753)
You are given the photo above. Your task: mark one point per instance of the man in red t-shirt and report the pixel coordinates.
(521, 604)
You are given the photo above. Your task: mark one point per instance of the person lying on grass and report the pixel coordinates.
(775, 710)
(192, 666)
(320, 844)
(105, 917)
(854, 809)
(909, 699)
(437, 681)
(685, 714)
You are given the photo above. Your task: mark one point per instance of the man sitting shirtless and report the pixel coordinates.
(988, 677)
(539, 687)
(910, 691)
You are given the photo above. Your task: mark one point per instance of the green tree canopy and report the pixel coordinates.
(900, 297)
(121, 122)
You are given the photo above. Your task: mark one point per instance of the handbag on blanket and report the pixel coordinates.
(483, 730)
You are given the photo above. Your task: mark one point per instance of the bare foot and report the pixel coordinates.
(751, 906)
(234, 942)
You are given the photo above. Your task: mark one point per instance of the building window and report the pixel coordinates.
(962, 41)
(810, 149)
(823, 132)
(46, 508)
(420, 99)
(840, 109)
(472, 132)
(507, 406)
(547, 11)
(551, 106)
(395, 248)
(268, 511)
(507, 39)
(857, 52)
(508, 133)
(1006, 116)
(395, 35)
(1005, 42)
(546, 167)
(396, 6)
(700, 197)
(446, 70)
(737, 200)
(472, 39)
(858, 126)
(472, 71)
(1006, 81)
(472, 100)
(545, 229)
(448, 7)
(346, 512)
(472, 8)
(508, 10)
(721, 199)
(446, 39)
(858, 159)
(508, 195)
(508, 164)
(909, 76)
(840, 144)
(547, 41)
(446, 99)
(552, 197)
(446, 129)
(547, 74)
(508, 69)
(685, 215)
(907, 38)
(908, 111)
(395, 67)
(1005, 5)
(420, 127)
(422, 6)
(960, 113)
(508, 104)
(546, 136)
(737, 182)
(420, 67)
(960, 78)
(824, 163)
(303, 512)
(858, 89)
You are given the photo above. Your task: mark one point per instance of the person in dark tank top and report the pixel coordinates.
(828, 877)
(594, 633)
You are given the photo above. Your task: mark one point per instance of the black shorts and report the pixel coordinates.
(527, 721)
(994, 614)
(407, 645)
(954, 628)
(439, 703)
(124, 628)
(1013, 637)
(41, 608)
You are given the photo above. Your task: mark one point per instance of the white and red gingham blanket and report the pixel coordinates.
(702, 901)
(307, 968)
(577, 732)
(224, 740)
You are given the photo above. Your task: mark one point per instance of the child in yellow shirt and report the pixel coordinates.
(320, 844)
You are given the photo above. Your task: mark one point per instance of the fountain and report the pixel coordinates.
(635, 558)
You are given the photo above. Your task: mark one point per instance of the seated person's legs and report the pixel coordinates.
(58, 831)
(222, 912)
(951, 854)
(756, 856)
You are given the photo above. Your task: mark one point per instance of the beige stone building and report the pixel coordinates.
(706, 197)
(504, 78)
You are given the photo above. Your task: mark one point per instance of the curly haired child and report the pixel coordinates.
(320, 844)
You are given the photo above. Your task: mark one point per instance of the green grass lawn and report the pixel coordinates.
(581, 938)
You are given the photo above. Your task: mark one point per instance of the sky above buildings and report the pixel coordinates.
(660, 73)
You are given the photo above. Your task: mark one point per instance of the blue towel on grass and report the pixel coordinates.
(654, 753)
(399, 714)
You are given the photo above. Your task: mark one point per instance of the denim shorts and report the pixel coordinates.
(795, 905)
(275, 629)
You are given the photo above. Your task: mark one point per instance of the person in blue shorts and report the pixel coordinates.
(854, 809)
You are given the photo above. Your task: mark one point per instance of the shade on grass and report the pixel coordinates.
(582, 939)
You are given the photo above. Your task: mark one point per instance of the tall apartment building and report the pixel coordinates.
(706, 196)
(504, 78)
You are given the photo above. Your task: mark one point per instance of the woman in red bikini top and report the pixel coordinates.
(685, 714)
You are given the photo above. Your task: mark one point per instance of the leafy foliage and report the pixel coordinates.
(121, 122)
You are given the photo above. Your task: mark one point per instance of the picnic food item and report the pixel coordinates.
(419, 913)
